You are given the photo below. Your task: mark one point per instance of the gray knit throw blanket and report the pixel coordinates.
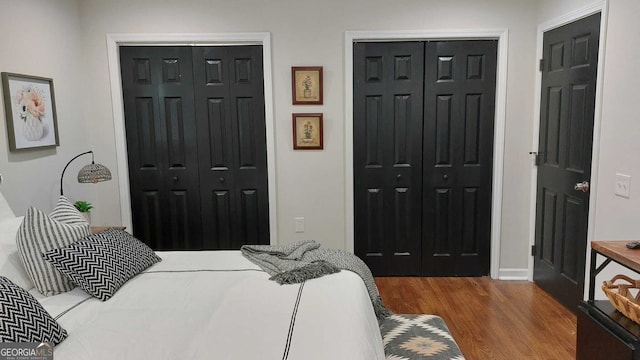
(297, 262)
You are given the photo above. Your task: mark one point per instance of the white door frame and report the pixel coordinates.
(597, 7)
(113, 54)
(502, 35)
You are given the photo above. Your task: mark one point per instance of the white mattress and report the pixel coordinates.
(218, 305)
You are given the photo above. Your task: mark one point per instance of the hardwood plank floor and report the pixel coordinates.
(490, 319)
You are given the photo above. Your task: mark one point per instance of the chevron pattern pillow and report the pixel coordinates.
(101, 263)
(23, 319)
(39, 233)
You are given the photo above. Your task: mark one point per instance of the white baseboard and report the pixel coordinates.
(513, 274)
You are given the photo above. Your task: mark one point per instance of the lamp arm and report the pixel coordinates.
(70, 161)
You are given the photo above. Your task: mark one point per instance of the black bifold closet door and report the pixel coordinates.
(196, 145)
(423, 156)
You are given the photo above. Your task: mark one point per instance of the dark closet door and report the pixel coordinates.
(423, 156)
(196, 142)
(229, 98)
(460, 79)
(161, 145)
(388, 85)
(567, 109)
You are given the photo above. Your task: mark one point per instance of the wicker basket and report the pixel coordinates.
(620, 296)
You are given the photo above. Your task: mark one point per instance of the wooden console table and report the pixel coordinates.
(97, 229)
(603, 332)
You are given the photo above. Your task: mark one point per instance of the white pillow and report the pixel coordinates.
(38, 233)
(10, 263)
(67, 213)
(5, 210)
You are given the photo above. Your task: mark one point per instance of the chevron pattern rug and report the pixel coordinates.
(417, 337)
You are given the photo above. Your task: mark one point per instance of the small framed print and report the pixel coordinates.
(307, 85)
(30, 111)
(307, 132)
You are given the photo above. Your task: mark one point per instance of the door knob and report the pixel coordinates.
(399, 176)
(221, 180)
(175, 178)
(582, 186)
(445, 176)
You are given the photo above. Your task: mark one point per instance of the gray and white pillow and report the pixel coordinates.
(101, 263)
(23, 319)
(39, 233)
(11, 266)
(66, 212)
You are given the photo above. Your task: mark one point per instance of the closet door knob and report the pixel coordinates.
(175, 178)
(221, 180)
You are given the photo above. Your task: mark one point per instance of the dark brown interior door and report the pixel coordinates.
(567, 108)
(161, 145)
(460, 81)
(229, 97)
(388, 85)
(196, 143)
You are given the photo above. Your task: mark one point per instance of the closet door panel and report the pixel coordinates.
(161, 146)
(229, 103)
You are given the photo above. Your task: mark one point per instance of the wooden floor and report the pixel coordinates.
(489, 319)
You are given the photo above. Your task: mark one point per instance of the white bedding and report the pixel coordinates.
(227, 309)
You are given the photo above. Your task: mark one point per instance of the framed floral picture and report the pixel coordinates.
(307, 131)
(30, 111)
(307, 85)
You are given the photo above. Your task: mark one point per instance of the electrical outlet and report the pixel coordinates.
(299, 224)
(623, 184)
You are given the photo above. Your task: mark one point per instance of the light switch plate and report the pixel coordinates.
(623, 184)
(299, 224)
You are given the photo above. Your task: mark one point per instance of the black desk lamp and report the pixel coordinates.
(91, 173)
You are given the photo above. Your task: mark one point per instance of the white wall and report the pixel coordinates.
(617, 218)
(551, 9)
(303, 32)
(40, 37)
(71, 48)
(65, 40)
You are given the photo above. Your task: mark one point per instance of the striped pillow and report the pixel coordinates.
(67, 213)
(39, 233)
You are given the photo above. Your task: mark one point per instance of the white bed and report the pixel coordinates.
(218, 305)
(210, 305)
(207, 305)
